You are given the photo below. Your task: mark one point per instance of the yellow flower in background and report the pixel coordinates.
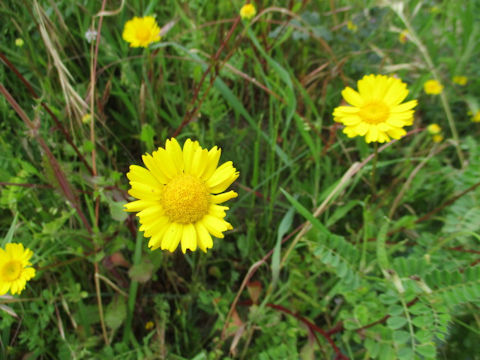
(377, 111)
(351, 26)
(476, 117)
(15, 268)
(86, 118)
(433, 87)
(149, 325)
(403, 36)
(19, 42)
(460, 80)
(437, 138)
(141, 32)
(248, 11)
(434, 129)
(179, 193)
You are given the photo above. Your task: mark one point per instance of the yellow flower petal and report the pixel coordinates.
(352, 97)
(189, 238)
(221, 198)
(204, 239)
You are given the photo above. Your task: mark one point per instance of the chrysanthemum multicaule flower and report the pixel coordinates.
(15, 268)
(248, 11)
(141, 32)
(179, 195)
(432, 87)
(376, 110)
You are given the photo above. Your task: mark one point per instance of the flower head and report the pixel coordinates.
(19, 42)
(15, 268)
(403, 36)
(149, 325)
(248, 11)
(90, 35)
(476, 117)
(434, 129)
(352, 26)
(377, 111)
(141, 32)
(433, 87)
(460, 80)
(437, 138)
(179, 193)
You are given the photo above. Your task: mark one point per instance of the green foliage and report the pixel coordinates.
(326, 259)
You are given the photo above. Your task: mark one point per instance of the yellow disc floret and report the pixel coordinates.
(11, 270)
(374, 113)
(185, 199)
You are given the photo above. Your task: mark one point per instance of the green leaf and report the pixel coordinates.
(305, 213)
(141, 272)
(396, 322)
(147, 135)
(427, 350)
(116, 210)
(405, 353)
(116, 312)
(283, 228)
(401, 337)
(8, 238)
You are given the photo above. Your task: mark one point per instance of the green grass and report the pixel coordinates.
(318, 265)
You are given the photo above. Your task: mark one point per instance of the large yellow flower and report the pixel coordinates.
(376, 112)
(141, 32)
(179, 193)
(15, 268)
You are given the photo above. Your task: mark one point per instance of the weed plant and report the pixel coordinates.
(340, 249)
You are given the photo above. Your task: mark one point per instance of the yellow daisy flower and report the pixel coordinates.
(433, 87)
(460, 80)
(377, 111)
(434, 129)
(437, 138)
(15, 268)
(352, 26)
(248, 11)
(149, 325)
(179, 193)
(403, 36)
(476, 117)
(141, 32)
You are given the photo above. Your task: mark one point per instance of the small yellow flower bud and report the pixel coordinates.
(248, 11)
(434, 129)
(460, 80)
(433, 87)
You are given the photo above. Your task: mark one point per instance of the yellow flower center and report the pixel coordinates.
(185, 199)
(11, 270)
(143, 33)
(374, 113)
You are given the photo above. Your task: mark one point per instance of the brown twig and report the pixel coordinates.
(312, 327)
(60, 176)
(93, 70)
(41, 186)
(58, 124)
(191, 113)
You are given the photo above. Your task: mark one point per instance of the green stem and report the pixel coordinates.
(443, 97)
(132, 293)
(374, 169)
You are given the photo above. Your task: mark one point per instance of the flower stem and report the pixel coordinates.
(374, 168)
(428, 60)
